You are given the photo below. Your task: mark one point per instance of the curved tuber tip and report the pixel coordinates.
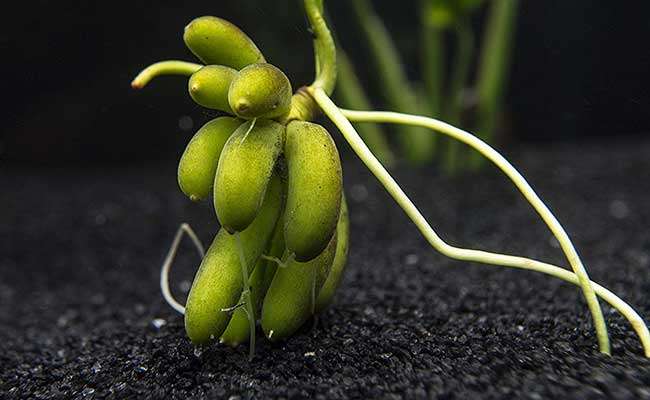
(170, 67)
(137, 84)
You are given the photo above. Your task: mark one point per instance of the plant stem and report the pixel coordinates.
(246, 295)
(170, 67)
(464, 50)
(493, 70)
(432, 61)
(418, 145)
(351, 94)
(340, 118)
(324, 48)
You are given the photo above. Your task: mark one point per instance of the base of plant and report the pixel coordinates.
(282, 120)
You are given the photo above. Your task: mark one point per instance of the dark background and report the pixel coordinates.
(580, 71)
(83, 229)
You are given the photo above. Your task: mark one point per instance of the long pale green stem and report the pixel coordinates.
(324, 48)
(340, 118)
(493, 69)
(351, 94)
(418, 145)
(170, 67)
(527, 191)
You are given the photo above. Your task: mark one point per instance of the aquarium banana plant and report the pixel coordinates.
(440, 93)
(275, 178)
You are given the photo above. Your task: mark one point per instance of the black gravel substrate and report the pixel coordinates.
(81, 315)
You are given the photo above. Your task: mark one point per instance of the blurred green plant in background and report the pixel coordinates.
(445, 90)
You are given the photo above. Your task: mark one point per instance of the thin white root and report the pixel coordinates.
(233, 308)
(287, 259)
(340, 119)
(250, 128)
(275, 260)
(169, 259)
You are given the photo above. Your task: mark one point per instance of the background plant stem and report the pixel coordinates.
(493, 70)
(433, 57)
(417, 144)
(350, 93)
(452, 157)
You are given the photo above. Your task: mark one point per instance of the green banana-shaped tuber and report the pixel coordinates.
(238, 330)
(218, 282)
(198, 164)
(314, 189)
(245, 167)
(288, 301)
(216, 41)
(260, 91)
(208, 87)
(335, 276)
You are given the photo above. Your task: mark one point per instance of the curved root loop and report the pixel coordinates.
(169, 260)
